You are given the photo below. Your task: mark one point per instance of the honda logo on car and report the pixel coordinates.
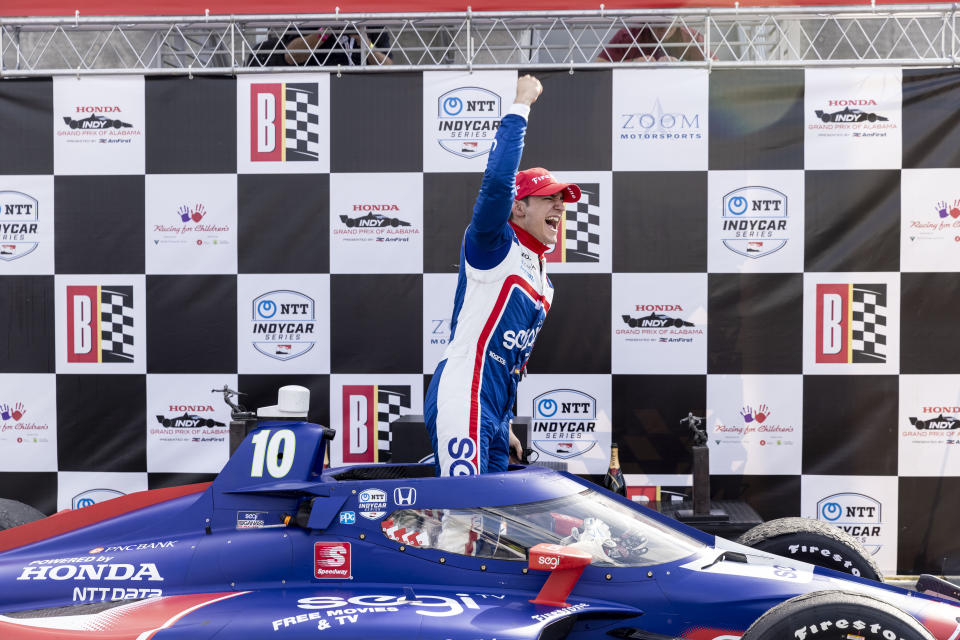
(331, 560)
(405, 496)
(42, 570)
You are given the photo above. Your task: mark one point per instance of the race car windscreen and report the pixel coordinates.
(613, 533)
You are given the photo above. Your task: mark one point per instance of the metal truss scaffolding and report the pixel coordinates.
(894, 35)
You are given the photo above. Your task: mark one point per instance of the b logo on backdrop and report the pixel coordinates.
(19, 224)
(851, 323)
(99, 324)
(368, 411)
(284, 122)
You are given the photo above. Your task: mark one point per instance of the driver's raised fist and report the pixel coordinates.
(528, 89)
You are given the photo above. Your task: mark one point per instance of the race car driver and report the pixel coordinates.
(502, 297)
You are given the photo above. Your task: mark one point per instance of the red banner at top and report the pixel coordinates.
(11, 8)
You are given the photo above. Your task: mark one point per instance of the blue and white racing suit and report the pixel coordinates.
(503, 295)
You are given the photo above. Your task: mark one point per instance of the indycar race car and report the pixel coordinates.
(96, 121)
(279, 547)
(373, 221)
(849, 115)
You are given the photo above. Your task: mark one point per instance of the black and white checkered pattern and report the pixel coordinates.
(274, 224)
(583, 226)
(116, 324)
(302, 122)
(390, 400)
(869, 323)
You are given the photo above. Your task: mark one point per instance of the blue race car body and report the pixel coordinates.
(278, 547)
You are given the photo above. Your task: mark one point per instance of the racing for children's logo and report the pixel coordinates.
(190, 224)
(284, 122)
(284, 324)
(467, 121)
(19, 224)
(15, 426)
(100, 324)
(756, 423)
(939, 222)
(851, 323)
(564, 423)
(754, 221)
(578, 237)
(368, 411)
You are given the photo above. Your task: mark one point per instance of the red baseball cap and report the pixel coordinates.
(539, 182)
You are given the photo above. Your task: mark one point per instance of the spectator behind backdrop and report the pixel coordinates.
(652, 43)
(324, 47)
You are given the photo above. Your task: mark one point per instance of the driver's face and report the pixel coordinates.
(540, 216)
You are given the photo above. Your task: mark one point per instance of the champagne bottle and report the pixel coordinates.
(614, 481)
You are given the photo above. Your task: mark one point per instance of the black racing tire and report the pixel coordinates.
(815, 542)
(835, 615)
(13, 514)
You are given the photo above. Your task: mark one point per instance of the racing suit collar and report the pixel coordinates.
(528, 240)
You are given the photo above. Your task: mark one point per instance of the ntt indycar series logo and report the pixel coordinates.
(284, 324)
(467, 120)
(754, 221)
(19, 226)
(564, 423)
(857, 514)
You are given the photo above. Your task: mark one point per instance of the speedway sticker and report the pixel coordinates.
(331, 560)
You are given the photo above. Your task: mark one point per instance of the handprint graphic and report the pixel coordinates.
(763, 412)
(18, 411)
(4, 412)
(955, 209)
(198, 213)
(184, 212)
(747, 413)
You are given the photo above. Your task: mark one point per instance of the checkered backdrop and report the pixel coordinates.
(774, 250)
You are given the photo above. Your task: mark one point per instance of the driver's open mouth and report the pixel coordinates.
(553, 222)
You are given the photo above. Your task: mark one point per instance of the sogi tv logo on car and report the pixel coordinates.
(467, 121)
(331, 560)
(857, 514)
(284, 324)
(564, 423)
(754, 221)
(19, 224)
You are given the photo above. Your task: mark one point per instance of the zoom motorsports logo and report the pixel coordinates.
(467, 120)
(754, 221)
(564, 423)
(284, 324)
(660, 124)
(19, 224)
